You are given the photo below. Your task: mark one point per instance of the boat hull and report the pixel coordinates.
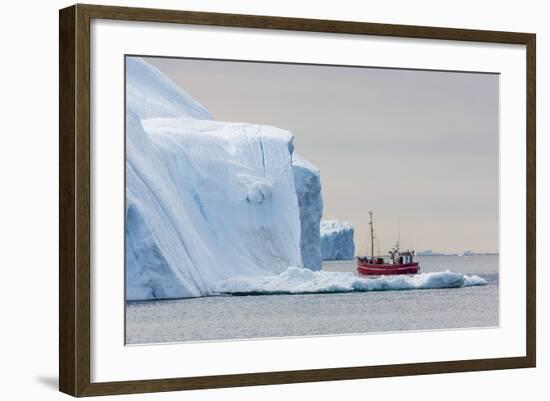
(371, 269)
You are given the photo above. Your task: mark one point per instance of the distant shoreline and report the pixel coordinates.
(431, 254)
(459, 254)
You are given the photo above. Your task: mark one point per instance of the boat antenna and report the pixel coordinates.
(398, 232)
(371, 235)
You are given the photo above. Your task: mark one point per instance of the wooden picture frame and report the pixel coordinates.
(74, 199)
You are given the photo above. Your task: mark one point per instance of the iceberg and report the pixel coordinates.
(308, 189)
(337, 240)
(297, 280)
(208, 200)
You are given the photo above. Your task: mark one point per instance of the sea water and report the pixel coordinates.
(229, 317)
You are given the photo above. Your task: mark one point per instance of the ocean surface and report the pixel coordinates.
(230, 317)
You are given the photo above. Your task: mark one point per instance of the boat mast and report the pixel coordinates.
(371, 235)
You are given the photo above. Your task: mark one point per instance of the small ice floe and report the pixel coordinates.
(297, 280)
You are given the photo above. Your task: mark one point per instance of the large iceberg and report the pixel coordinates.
(337, 240)
(207, 200)
(308, 189)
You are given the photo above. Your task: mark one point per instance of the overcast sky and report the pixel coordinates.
(419, 148)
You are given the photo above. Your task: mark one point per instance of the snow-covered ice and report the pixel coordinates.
(308, 189)
(205, 200)
(150, 94)
(297, 280)
(337, 240)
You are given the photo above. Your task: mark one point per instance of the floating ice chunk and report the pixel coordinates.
(297, 280)
(474, 280)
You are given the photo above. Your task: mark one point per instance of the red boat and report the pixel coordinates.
(398, 262)
(368, 268)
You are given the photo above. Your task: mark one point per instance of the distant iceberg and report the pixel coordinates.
(429, 252)
(207, 200)
(337, 240)
(296, 280)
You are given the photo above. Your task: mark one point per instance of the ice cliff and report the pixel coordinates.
(207, 200)
(337, 240)
(308, 189)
